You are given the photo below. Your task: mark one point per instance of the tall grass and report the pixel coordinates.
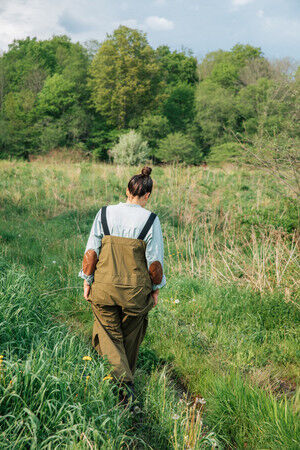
(51, 397)
(231, 261)
(45, 401)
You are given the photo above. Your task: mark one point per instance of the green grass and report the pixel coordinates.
(232, 339)
(46, 401)
(51, 397)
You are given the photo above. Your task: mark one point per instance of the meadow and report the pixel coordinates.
(219, 366)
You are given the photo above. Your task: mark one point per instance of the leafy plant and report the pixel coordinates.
(131, 149)
(178, 147)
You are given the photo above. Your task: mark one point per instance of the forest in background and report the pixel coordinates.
(125, 100)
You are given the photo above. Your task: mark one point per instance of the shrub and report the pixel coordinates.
(227, 152)
(131, 149)
(99, 154)
(178, 147)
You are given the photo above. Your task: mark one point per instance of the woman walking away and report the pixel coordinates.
(123, 271)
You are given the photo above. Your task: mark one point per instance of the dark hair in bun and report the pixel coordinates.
(146, 171)
(142, 183)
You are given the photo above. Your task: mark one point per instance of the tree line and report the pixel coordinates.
(124, 99)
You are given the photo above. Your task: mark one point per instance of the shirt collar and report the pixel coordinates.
(129, 204)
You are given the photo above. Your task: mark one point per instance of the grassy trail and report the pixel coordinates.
(227, 323)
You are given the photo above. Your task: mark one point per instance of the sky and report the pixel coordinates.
(199, 25)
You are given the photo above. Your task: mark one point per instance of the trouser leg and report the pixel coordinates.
(108, 339)
(134, 330)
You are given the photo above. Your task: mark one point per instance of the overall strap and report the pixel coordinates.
(147, 226)
(104, 221)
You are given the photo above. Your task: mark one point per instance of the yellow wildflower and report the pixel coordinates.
(87, 358)
(1, 356)
(108, 377)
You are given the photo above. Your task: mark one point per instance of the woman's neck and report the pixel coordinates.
(134, 202)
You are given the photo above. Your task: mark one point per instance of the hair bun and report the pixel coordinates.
(146, 171)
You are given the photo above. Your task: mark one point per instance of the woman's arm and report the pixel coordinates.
(91, 254)
(155, 255)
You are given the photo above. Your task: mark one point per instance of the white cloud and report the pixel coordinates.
(45, 18)
(159, 23)
(19, 19)
(241, 2)
(260, 13)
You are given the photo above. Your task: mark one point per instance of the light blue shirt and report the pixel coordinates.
(128, 220)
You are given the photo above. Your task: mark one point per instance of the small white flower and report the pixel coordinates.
(175, 417)
(19, 235)
(176, 300)
(54, 262)
(193, 299)
(200, 400)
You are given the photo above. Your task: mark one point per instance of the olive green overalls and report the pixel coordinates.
(120, 299)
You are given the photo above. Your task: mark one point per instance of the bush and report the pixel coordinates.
(180, 148)
(228, 152)
(131, 149)
(99, 154)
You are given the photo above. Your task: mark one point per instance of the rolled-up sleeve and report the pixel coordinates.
(155, 253)
(92, 250)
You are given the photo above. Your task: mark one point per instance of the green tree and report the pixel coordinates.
(153, 128)
(53, 75)
(50, 134)
(57, 95)
(176, 66)
(224, 67)
(179, 106)
(17, 118)
(124, 76)
(216, 112)
(268, 106)
(26, 56)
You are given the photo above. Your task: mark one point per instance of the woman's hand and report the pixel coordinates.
(86, 290)
(155, 296)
